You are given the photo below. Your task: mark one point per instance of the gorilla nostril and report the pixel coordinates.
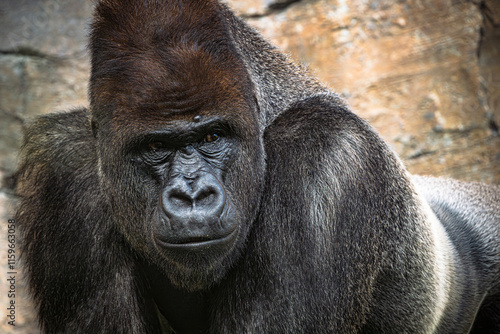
(180, 200)
(206, 197)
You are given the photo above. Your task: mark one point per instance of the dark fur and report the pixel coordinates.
(333, 235)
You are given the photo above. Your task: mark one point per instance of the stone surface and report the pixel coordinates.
(425, 73)
(48, 27)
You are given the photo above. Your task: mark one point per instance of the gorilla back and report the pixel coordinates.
(215, 187)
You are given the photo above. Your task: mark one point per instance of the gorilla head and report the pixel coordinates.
(176, 124)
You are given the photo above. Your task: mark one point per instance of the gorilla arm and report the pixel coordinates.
(470, 214)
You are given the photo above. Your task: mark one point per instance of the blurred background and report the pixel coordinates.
(424, 73)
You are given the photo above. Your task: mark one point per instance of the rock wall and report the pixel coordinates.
(425, 73)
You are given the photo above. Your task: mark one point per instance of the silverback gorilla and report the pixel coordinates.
(215, 187)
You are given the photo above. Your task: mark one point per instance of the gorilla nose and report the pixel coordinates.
(202, 198)
(193, 200)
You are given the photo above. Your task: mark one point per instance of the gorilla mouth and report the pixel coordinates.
(199, 242)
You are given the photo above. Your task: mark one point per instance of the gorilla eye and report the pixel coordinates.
(156, 145)
(211, 137)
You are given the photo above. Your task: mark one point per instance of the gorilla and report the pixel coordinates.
(213, 186)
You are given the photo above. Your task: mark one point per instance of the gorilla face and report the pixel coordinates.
(182, 191)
